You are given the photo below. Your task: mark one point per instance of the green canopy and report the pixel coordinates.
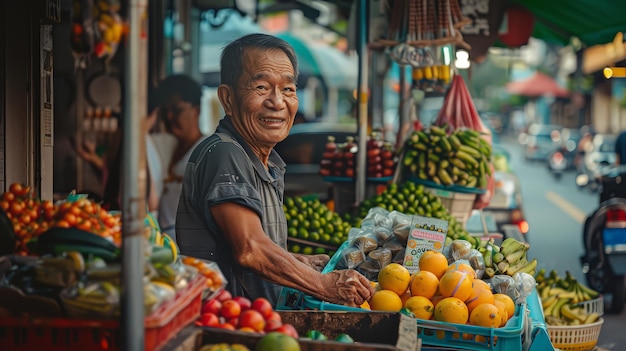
(592, 21)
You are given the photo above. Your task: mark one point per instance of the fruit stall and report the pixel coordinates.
(437, 287)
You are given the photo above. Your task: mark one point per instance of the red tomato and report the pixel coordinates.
(8, 196)
(230, 309)
(17, 207)
(263, 305)
(209, 320)
(243, 302)
(272, 325)
(275, 316)
(70, 218)
(224, 295)
(288, 329)
(212, 306)
(252, 319)
(17, 189)
(5, 205)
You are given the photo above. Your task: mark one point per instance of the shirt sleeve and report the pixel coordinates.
(225, 174)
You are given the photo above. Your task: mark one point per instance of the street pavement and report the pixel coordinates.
(555, 210)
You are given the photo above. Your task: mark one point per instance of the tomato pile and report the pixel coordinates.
(87, 215)
(239, 313)
(338, 159)
(31, 216)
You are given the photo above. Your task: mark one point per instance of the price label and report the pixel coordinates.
(407, 335)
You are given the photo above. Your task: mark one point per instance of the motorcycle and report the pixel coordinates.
(604, 239)
(557, 163)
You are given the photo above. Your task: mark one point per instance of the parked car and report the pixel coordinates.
(601, 153)
(541, 140)
(302, 152)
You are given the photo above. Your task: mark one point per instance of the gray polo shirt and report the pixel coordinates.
(224, 169)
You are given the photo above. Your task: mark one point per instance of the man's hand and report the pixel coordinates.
(347, 287)
(317, 262)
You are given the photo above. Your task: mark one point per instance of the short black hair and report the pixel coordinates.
(231, 65)
(179, 85)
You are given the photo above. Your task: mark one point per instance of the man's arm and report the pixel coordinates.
(254, 250)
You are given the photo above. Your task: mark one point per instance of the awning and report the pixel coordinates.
(592, 21)
(537, 85)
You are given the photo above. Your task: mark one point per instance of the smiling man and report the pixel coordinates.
(231, 205)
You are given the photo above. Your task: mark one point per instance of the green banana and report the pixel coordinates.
(591, 318)
(556, 310)
(548, 301)
(503, 266)
(497, 257)
(515, 267)
(514, 257)
(530, 267)
(572, 313)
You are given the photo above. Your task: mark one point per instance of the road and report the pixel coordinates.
(556, 211)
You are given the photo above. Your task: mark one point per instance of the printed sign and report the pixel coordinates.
(426, 234)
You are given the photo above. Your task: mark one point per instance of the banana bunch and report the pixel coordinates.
(461, 158)
(561, 298)
(508, 258)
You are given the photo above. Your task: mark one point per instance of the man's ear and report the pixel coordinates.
(225, 94)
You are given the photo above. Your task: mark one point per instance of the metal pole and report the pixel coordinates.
(362, 101)
(134, 177)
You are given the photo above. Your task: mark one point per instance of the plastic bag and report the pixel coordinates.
(477, 261)
(524, 285)
(350, 258)
(376, 216)
(459, 249)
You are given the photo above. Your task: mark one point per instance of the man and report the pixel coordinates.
(179, 99)
(230, 210)
(620, 149)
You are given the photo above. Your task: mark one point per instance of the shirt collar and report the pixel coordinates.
(226, 126)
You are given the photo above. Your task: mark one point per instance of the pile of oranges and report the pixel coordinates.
(443, 292)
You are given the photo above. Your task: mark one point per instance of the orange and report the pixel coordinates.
(421, 307)
(451, 310)
(485, 315)
(365, 305)
(434, 262)
(424, 283)
(482, 283)
(455, 284)
(479, 296)
(508, 303)
(385, 300)
(504, 315)
(461, 266)
(394, 277)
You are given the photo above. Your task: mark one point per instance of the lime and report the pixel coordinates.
(306, 224)
(329, 228)
(294, 222)
(323, 221)
(320, 250)
(289, 202)
(293, 212)
(314, 236)
(315, 224)
(326, 238)
(295, 248)
(307, 250)
(292, 232)
(303, 233)
(335, 241)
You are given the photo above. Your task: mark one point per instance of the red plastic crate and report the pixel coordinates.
(62, 334)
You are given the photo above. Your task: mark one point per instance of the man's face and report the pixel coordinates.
(265, 101)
